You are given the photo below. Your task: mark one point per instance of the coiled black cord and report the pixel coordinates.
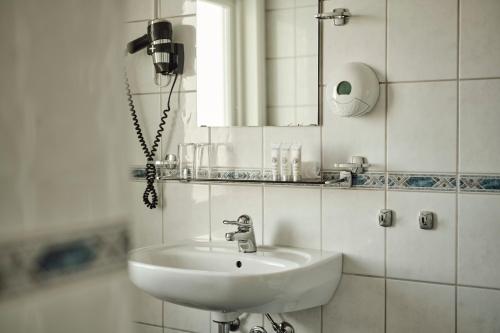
(150, 196)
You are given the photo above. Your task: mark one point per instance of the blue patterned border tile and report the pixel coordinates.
(33, 262)
(480, 183)
(137, 173)
(422, 182)
(369, 180)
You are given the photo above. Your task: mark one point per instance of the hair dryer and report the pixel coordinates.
(168, 57)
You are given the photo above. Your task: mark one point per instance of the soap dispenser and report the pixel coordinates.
(353, 91)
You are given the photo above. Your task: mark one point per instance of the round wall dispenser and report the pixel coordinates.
(354, 90)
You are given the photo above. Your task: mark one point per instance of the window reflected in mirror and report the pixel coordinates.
(257, 63)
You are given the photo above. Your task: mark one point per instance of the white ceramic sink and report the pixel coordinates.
(216, 277)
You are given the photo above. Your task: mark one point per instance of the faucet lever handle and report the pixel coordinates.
(243, 221)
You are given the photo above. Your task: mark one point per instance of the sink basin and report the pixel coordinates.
(216, 277)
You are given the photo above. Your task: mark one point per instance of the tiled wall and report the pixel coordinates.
(434, 133)
(63, 188)
(291, 60)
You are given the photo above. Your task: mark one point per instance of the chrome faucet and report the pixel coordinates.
(245, 235)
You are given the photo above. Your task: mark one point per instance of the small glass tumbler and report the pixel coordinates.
(203, 160)
(187, 158)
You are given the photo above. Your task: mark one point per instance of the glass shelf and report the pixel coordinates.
(316, 181)
(329, 178)
(246, 176)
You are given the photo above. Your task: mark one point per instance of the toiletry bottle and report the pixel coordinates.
(275, 162)
(296, 157)
(285, 162)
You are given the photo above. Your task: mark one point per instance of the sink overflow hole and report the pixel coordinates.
(238, 264)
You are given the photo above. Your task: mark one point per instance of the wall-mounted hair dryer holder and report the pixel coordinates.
(168, 57)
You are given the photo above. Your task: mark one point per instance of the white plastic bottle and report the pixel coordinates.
(296, 157)
(286, 174)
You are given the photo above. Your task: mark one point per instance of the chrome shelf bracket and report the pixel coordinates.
(340, 16)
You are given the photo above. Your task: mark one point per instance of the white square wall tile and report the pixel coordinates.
(146, 223)
(308, 137)
(420, 307)
(362, 136)
(145, 308)
(362, 40)
(238, 147)
(306, 31)
(305, 321)
(306, 84)
(169, 8)
(186, 319)
(185, 212)
(170, 330)
(478, 240)
(479, 126)
(184, 31)
(279, 4)
(181, 125)
(307, 115)
(147, 108)
(139, 10)
(357, 306)
(479, 42)
(422, 127)
(90, 305)
(282, 115)
(354, 232)
(230, 201)
(421, 40)
(477, 310)
(417, 254)
(141, 328)
(292, 216)
(281, 82)
(300, 3)
(15, 316)
(280, 33)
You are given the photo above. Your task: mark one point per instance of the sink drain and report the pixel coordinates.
(238, 264)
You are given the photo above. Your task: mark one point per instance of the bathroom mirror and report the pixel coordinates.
(257, 63)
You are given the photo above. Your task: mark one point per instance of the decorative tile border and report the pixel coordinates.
(34, 262)
(268, 176)
(480, 183)
(236, 174)
(369, 180)
(422, 182)
(137, 173)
